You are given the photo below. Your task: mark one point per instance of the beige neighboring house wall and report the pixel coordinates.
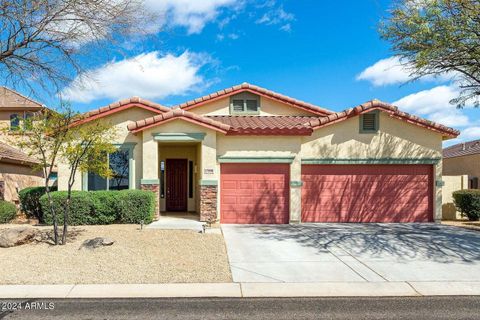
(469, 165)
(451, 184)
(17, 177)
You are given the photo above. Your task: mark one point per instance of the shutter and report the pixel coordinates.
(237, 105)
(252, 105)
(369, 122)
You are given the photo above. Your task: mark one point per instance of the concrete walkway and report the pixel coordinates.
(352, 253)
(180, 222)
(238, 290)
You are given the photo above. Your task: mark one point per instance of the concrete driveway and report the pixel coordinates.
(352, 253)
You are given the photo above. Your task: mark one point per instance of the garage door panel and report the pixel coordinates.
(254, 193)
(367, 193)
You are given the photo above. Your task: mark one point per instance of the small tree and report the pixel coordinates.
(46, 134)
(86, 149)
(438, 37)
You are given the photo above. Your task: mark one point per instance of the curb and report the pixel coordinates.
(242, 290)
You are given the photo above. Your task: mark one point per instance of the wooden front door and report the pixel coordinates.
(176, 181)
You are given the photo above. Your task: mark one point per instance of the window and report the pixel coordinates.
(27, 123)
(162, 179)
(119, 163)
(369, 122)
(14, 122)
(473, 183)
(245, 103)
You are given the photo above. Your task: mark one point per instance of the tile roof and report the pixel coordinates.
(178, 114)
(12, 155)
(462, 149)
(121, 105)
(256, 90)
(386, 107)
(266, 125)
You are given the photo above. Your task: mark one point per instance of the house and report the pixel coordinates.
(14, 109)
(246, 154)
(461, 170)
(463, 159)
(16, 172)
(16, 167)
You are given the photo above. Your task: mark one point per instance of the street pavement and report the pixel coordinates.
(435, 308)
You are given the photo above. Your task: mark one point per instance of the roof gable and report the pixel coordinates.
(393, 111)
(134, 102)
(13, 100)
(246, 87)
(181, 115)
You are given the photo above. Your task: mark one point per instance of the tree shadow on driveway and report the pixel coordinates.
(408, 241)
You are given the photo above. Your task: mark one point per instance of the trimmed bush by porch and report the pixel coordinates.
(102, 207)
(7, 211)
(30, 201)
(468, 203)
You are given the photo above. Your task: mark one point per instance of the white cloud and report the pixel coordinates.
(193, 15)
(148, 75)
(434, 104)
(394, 71)
(277, 16)
(471, 133)
(384, 72)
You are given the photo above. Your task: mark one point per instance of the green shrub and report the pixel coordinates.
(468, 203)
(8, 211)
(105, 206)
(136, 205)
(30, 201)
(81, 208)
(101, 207)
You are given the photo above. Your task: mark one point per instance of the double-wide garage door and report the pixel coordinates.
(259, 193)
(254, 193)
(367, 193)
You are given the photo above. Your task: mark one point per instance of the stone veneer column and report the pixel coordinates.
(208, 203)
(155, 188)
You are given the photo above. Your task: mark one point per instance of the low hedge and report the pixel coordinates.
(468, 203)
(8, 211)
(30, 201)
(102, 207)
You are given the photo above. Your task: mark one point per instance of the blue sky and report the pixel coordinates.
(325, 52)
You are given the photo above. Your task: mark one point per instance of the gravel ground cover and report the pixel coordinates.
(137, 256)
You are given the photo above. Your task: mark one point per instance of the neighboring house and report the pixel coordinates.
(15, 166)
(249, 155)
(14, 108)
(16, 172)
(461, 170)
(463, 159)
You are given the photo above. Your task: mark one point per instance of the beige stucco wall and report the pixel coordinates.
(16, 178)
(268, 107)
(395, 139)
(451, 184)
(119, 121)
(469, 165)
(207, 149)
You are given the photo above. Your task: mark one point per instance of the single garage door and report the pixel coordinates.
(367, 193)
(254, 193)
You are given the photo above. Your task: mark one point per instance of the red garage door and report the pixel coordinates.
(367, 193)
(254, 193)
